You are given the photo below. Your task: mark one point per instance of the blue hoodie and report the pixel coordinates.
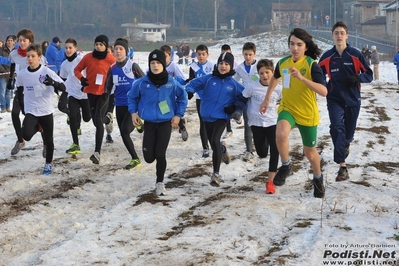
(51, 56)
(145, 98)
(217, 94)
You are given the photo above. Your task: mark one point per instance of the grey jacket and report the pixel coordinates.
(374, 58)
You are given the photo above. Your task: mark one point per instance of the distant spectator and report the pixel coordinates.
(130, 53)
(375, 61)
(44, 47)
(61, 56)
(52, 53)
(5, 94)
(1, 43)
(172, 59)
(186, 53)
(396, 63)
(366, 53)
(193, 55)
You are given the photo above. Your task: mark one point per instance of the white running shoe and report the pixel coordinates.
(227, 135)
(95, 158)
(160, 189)
(248, 156)
(215, 180)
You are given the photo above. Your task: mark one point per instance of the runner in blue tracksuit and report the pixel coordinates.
(122, 74)
(161, 101)
(221, 100)
(346, 68)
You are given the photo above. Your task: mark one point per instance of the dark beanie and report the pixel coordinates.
(228, 58)
(122, 42)
(159, 56)
(103, 39)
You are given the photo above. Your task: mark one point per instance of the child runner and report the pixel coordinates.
(161, 101)
(77, 99)
(302, 79)
(18, 62)
(174, 71)
(198, 69)
(346, 68)
(229, 131)
(122, 74)
(263, 126)
(96, 64)
(109, 117)
(221, 99)
(247, 73)
(36, 99)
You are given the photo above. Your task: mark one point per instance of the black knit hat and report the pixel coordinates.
(159, 56)
(103, 39)
(228, 58)
(122, 42)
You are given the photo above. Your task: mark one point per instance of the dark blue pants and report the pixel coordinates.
(343, 120)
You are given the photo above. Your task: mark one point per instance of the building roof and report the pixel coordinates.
(391, 6)
(291, 7)
(146, 25)
(376, 21)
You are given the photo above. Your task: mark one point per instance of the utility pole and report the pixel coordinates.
(216, 17)
(335, 12)
(396, 25)
(173, 5)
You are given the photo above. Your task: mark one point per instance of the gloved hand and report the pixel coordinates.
(48, 81)
(190, 95)
(229, 109)
(83, 82)
(9, 84)
(352, 81)
(237, 117)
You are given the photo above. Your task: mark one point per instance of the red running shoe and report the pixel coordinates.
(270, 188)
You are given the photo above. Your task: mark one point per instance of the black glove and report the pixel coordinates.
(229, 109)
(190, 95)
(48, 81)
(9, 84)
(83, 82)
(352, 81)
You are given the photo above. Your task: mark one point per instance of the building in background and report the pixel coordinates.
(152, 32)
(291, 15)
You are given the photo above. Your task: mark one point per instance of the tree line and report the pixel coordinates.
(90, 17)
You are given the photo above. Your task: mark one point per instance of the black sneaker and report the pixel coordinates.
(318, 187)
(184, 134)
(347, 151)
(283, 172)
(108, 139)
(342, 174)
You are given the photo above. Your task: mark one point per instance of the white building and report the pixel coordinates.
(153, 32)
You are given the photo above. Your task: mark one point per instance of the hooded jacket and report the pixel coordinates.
(149, 101)
(217, 94)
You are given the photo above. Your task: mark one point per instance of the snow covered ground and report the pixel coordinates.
(87, 214)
